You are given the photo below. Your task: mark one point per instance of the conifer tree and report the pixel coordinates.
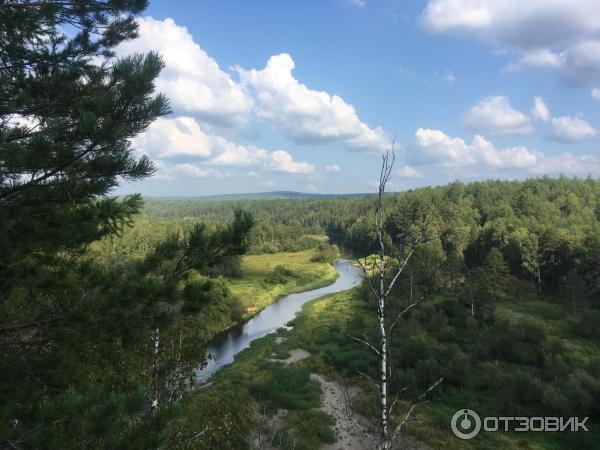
(73, 334)
(67, 112)
(496, 274)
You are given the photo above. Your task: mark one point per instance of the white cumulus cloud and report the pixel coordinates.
(434, 147)
(334, 168)
(595, 94)
(536, 59)
(494, 114)
(540, 110)
(174, 138)
(237, 155)
(572, 129)
(409, 172)
(581, 62)
(194, 171)
(560, 34)
(167, 138)
(281, 161)
(193, 81)
(305, 115)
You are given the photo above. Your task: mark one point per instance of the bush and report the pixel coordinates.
(279, 275)
(587, 325)
(228, 415)
(306, 430)
(459, 370)
(199, 293)
(289, 388)
(229, 268)
(521, 395)
(326, 253)
(236, 310)
(522, 342)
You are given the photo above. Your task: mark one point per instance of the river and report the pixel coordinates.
(223, 348)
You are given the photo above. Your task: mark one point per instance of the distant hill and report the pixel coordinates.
(291, 195)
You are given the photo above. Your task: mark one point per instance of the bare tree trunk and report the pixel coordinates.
(381, 291)
(381, 305)
(155, 369)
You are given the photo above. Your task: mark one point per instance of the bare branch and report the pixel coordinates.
(377, 352)
(346, 412)
(396, 399)
(363, 266)
(200, 433)
(419, 401)
(34, 324)
(368, 378)
(404, 311)
(400, 269)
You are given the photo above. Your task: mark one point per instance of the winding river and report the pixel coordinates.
(225, 346)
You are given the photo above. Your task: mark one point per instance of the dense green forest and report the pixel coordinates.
(108, 304)
(509, 316)
(515, 269)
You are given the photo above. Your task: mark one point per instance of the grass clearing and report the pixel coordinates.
(255, 293)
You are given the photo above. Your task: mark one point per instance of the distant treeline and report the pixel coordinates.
(547, 230)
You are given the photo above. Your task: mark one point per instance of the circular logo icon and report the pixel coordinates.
(465, 424)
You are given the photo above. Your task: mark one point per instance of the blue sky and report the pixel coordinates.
(304, 96)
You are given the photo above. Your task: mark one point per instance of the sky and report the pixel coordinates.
(306, 95)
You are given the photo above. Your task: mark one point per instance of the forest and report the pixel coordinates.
(110, 304)
(509, 316)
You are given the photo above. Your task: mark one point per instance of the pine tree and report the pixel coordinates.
(68, 109)
(67, 112)
(496, 274)
(75, 334)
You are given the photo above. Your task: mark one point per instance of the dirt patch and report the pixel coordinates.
(296, 355)
(336, 401)
(263, 435)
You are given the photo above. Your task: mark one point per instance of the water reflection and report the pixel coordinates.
(225, 346)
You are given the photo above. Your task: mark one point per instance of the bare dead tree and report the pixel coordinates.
(381, 275)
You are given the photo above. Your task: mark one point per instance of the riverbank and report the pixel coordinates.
(288, 388)
(226, 345)
(252, 293)
(277, 393)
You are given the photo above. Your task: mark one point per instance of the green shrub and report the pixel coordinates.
(306, 430)
(521, 394)
(326, 253)
(587, 325)
(199, 293)
(459, 370)
(279, 275)
(289, 388)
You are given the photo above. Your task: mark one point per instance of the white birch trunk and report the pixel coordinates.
(384, 439)
(154, 392)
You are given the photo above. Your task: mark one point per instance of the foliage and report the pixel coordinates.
(279, 275)
(305, 430)
(75, 339)
(288, 387)
(327, 253)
